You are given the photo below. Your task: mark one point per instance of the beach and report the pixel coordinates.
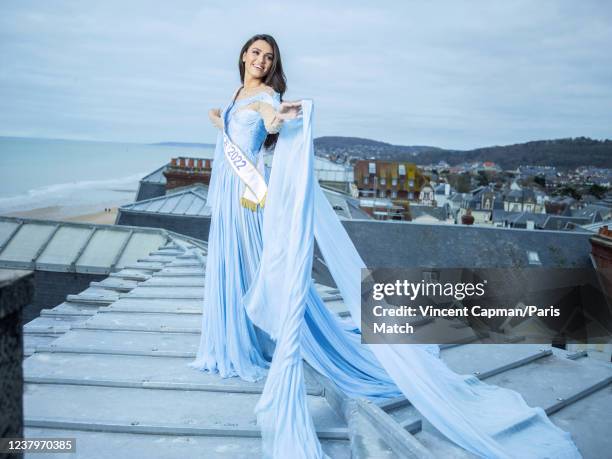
(59, 213)
(66, 180)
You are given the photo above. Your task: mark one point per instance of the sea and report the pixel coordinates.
(78, 177)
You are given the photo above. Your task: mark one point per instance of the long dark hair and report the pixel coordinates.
(275, 77)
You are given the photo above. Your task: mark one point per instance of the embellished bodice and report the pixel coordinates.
(250, 120)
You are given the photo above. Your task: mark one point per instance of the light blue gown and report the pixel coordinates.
(259, 290)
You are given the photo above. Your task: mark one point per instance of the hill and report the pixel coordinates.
(566, 153)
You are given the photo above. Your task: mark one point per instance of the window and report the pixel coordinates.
(401, 169)
(394, 182)
(366, 180)
(372, 168)
(533, 258)
(383, 181)
(411, 183)
(393, 194)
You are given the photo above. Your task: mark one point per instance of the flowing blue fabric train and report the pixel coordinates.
(486, 420)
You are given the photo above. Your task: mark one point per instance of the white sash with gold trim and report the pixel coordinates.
(252, 175)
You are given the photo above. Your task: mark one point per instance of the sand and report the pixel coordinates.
(59, 213)
(106, 218)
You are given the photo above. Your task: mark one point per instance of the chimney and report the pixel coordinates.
(186, 174)
(173, 162)
(467, 218)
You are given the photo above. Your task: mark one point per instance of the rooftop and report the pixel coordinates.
(414, 244)
(157, 176)
(109, 367)
(190, 201)
(76, 247)
(345, 205)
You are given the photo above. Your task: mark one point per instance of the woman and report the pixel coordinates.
(259, 291)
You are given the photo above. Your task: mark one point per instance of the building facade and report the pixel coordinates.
(399, 182)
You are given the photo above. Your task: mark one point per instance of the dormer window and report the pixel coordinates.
(533, 258)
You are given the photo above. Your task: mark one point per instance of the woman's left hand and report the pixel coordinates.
(290, 110)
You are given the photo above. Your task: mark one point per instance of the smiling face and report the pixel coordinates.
(258, 59)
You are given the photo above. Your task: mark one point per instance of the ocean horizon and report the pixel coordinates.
(79, 175)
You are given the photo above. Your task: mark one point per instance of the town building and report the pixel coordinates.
(399, 182)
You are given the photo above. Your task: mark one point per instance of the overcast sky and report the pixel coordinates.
(454, 74)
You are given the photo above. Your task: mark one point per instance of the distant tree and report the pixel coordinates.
(540, 180)
(460, 182)
(482, 179)
(598, 190)
(569, 191)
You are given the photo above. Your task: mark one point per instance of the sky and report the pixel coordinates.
(453, 74)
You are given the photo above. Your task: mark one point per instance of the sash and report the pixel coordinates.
(252, 176)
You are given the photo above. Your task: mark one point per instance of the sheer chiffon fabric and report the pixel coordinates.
(229, 343)
(259, 290)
